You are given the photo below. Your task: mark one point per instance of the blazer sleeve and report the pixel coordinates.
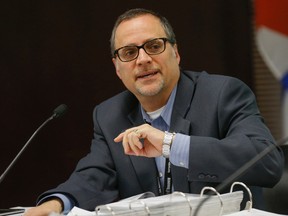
(94, 180)
(238, 133)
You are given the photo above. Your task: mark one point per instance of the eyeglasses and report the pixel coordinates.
(151, 47)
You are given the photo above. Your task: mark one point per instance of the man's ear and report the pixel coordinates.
(176, 53)
(114, 60)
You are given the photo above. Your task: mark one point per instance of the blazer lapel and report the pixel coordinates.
(179, 124)
(144, 167)
(182, 104)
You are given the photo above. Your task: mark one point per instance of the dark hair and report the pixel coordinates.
(132, 13)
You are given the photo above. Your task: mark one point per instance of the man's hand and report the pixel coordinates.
(143, 140)
(45, 208)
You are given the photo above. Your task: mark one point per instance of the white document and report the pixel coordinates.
(178, 204)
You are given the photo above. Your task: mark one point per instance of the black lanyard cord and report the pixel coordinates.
(167, 178)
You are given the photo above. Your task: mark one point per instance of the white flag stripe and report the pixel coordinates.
(274, 48)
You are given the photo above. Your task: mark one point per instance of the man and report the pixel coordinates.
(204, 127)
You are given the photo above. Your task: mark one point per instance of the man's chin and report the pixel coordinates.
(149, 92)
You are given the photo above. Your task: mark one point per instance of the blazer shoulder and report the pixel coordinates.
(212, 79)
(123, 103)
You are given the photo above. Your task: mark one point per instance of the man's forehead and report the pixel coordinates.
(138, 30)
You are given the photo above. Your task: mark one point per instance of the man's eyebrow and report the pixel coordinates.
(133, 44)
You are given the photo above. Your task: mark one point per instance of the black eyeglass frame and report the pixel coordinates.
(142, 46)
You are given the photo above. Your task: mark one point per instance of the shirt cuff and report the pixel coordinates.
(179, 155)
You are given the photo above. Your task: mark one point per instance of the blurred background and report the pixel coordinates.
(57, 51)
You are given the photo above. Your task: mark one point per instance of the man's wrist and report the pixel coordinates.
(54, 204)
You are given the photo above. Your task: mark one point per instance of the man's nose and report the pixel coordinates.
(143, 56)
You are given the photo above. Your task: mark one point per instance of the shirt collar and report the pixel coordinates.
(166, 112)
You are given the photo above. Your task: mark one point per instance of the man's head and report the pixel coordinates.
(133, 13)
(145, 56)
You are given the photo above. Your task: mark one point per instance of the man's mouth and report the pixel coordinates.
(147, 75)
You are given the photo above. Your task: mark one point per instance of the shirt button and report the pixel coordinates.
(181, 164)
(160, 174)
(201, 176)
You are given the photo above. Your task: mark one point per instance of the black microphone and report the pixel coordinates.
(59, 111)
(243, 169)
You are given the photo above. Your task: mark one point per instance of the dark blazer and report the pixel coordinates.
(220, 115)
